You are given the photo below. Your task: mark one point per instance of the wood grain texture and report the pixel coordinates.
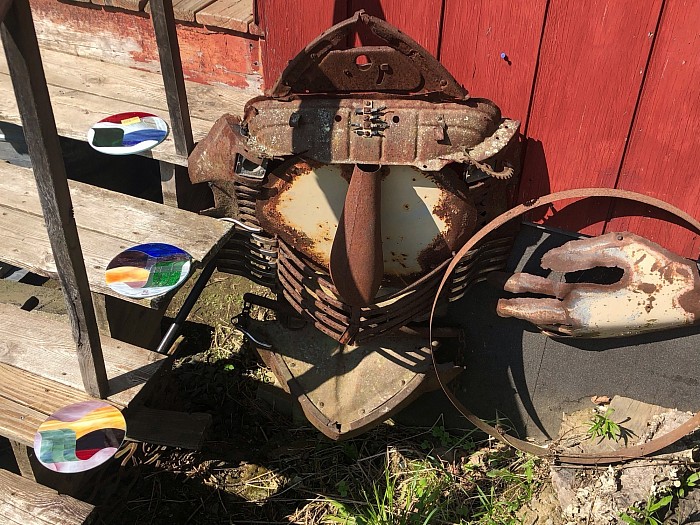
(663, 148)
(19, 422)
(236, 15)
(128, 367)
(31, 94)
(173, 78)
(591, 67)
(475, 34)
(84, 91)
(185, 10)
(289, 25)
(420, 21)
(26, 244)
(37, 392)
(24, 501)
(21, 453)
(130, 5)
(115, 36)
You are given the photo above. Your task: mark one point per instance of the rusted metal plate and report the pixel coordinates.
(658, 290)
(336, 385)
(427, 135)
(321, 68)
(425, 216)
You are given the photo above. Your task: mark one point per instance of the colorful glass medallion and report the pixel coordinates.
(80, 436)
(127, 133)
(148, 270)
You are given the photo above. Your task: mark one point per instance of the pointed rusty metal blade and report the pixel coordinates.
(357, 262)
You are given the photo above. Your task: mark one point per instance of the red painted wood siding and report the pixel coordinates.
(475, 33)
(598, 107)
(590, 72)
(289, 25)
(664, 154)
(419, 20)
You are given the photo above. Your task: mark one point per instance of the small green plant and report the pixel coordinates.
(604, 427)
(657, 506)
(650, 514)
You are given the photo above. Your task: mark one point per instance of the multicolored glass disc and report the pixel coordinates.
(80, 436)
(127, 133)
(148, 270)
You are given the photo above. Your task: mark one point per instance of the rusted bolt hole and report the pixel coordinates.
(369, 168)
(338, 118)
(363, 62)
(395, 119)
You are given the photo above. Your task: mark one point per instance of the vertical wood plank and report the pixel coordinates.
(21, 452)
(592, 62)
(31, 92)
(288, 25)
(663, 154)
(420, 21)
(474, 35)
(173, 78)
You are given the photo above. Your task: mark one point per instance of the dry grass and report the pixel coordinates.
(259, 467)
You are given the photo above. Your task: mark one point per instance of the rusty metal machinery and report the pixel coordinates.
(351, 184)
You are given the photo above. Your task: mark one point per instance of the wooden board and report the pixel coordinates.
(236, 15)
(185, 9)
(37, 392)
(219, 58)
(18, 422)
(131, 5)
(421, 21)
(475, 34)
(289, 25)
(591, 67)
(84, 91)
(108, 222)
(43, 345)
(23, 501)
(663, 155)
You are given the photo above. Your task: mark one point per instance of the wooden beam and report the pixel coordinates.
(23, 501)
(31, 92)
(173, 78)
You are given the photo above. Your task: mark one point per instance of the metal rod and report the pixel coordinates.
(187, 306)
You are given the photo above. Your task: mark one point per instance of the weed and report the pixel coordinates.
(657, 506)
(650, 513)
(604, 427)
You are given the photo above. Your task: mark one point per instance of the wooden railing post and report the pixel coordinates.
(174, 179)
(29, 83)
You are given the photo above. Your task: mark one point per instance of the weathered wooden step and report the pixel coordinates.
(84, 91)
(24, 502)
(39, 372)
(108, 222)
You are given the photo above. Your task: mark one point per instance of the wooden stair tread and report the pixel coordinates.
(236, 15)
(108, 222)
(185, 10)
(25, 502)
(42, 345)
(84, 91)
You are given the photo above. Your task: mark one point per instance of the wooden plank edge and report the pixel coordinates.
(39, 503)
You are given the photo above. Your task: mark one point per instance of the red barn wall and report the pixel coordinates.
(606, 90)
